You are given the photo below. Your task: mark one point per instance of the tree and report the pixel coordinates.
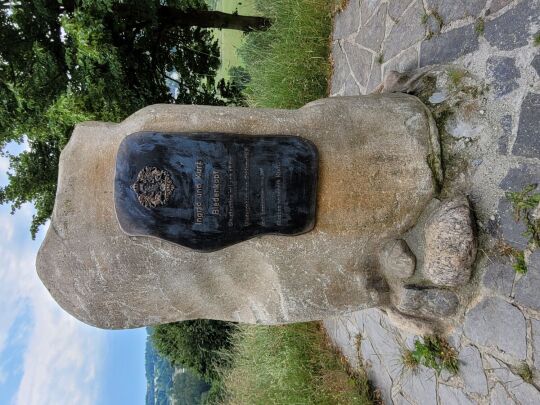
(67, 61)
(198, 345)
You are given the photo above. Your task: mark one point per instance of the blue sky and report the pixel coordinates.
(46, 355)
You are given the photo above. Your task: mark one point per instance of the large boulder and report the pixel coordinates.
(377, 159)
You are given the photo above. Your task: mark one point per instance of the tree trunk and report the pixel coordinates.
(174, 17)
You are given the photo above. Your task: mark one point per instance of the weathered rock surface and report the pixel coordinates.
(397, 260)
(472, 371)
(427, 302)
(373, 185)
(450, 244)
(494, 323)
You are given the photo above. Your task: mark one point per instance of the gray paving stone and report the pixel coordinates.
(455, 338)
(527, 288)
(511, 231)
(528, 137)
(350, 88)
(371, 34)
(405, 62)
(341, 69)
(399, 399)
(375, 78)
(506, 125)
(536, 64)
(452, 396)
(535, 326)
(367, 8)
(449, 46)
(516, 179)
(522, 392)
(406, 32)
(503, 74)
(347, 22)
(397, 7)
(499, 396)
(384, 340)
(499, 278)
(456, 9)
(496, 5)
(471, 370)
(511, 29)
(520, 177)
(494, 323)
(433, 25)
(525, 394)
(343, 338)
(420, 386)
(376, 372)
(359, 61)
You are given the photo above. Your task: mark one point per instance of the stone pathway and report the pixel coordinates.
(493, 40)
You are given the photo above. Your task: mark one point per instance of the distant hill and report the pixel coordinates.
(167, 385)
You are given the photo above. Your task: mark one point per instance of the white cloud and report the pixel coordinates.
(63, 356)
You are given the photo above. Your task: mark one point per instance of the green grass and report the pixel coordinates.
(291, 364)
(536, 39)
(520, 266)
(479, 26)
(517, 256)
(525, 372)
(524, 203)
(289, 64)
(456, 76)
(433, 352)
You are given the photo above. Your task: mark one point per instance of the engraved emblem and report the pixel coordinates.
(153, 186)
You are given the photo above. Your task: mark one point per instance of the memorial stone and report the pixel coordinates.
(251, 215)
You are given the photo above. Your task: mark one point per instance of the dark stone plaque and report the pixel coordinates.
(207, 191)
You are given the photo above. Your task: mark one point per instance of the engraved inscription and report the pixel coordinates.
(153, 186)
(227, 187)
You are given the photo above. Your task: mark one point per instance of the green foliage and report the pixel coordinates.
(65, 61)
(536, 39)
(289, 63)
(518, 256)
(479, 26)
(520, 266)
(198, 345)
(456, 76)
(524, 203)
(424, 18)
(290, 364)
(525, 372)
(433, 352)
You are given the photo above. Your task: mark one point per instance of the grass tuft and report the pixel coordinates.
(290, 364)
(289, 63)
(456, 76)
(525, 372)
(409, 360)
(536, 39)
(518, 256)
(424, 19)
(433, 352)
(520, 266)
(524, 203)
(479, 26)
(380, 58)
